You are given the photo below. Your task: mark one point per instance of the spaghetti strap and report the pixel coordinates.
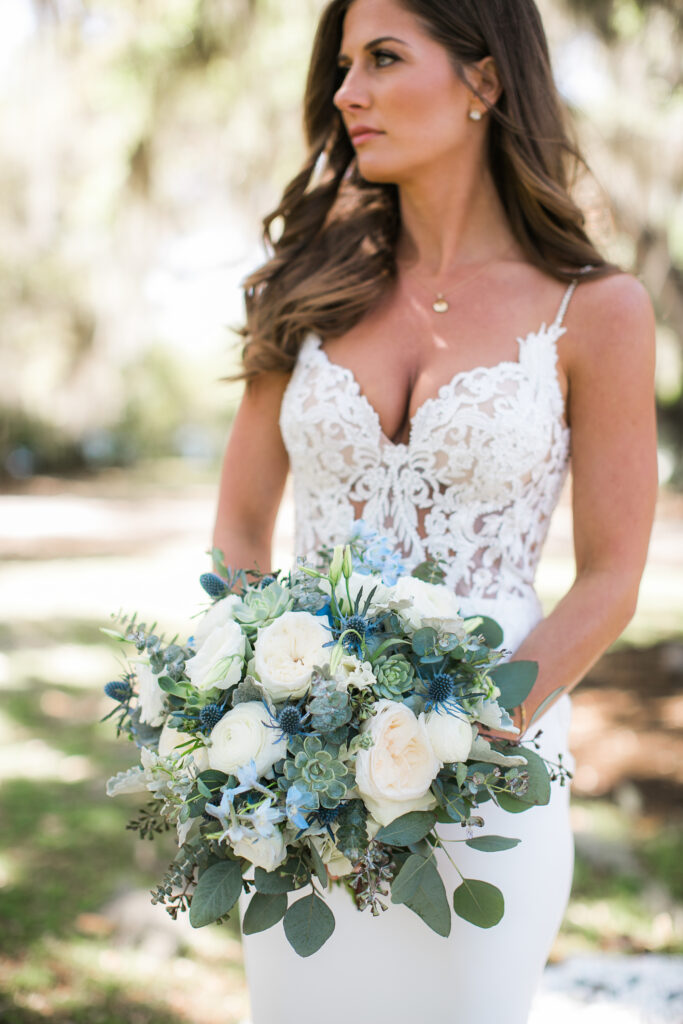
(567, 296)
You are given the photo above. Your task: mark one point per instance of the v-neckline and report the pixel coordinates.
(441, 392)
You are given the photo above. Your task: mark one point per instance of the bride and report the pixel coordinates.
(433, 338)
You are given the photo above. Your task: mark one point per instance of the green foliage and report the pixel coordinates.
(479, 902)
(216, 893)
(419, 886)
(352, 832)
(330, 708)
(408, 828)
(492, 844)
(264, 911)
(515, 679)
(308, 924)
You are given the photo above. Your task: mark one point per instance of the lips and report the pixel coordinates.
(363, 133)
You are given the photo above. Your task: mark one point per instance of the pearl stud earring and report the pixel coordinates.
(474, 115)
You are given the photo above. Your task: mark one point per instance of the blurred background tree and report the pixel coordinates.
(143, 141)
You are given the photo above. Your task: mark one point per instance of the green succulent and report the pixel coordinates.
(317, 769)
(261, 607)
(330, 708)
(394, 675)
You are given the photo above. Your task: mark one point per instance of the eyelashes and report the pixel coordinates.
(381, 59)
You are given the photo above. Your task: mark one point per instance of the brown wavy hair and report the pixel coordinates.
(335, 254)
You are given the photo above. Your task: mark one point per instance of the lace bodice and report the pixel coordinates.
(476, 483)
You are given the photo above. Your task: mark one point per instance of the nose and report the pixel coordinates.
(352, 94)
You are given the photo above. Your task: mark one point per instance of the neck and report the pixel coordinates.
(450, 219)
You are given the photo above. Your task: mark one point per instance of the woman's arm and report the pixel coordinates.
(253, 477)
(611, 410)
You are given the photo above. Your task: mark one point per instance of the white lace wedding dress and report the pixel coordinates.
(476, 483)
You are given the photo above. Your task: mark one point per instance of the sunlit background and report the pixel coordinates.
(142, 141)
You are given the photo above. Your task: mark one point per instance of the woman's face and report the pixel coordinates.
(401, 85)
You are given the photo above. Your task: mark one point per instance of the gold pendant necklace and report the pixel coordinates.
(441, 303)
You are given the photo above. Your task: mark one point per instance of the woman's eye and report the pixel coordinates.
(383, 58)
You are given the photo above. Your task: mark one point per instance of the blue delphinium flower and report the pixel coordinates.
(375, 554)
(300, 799)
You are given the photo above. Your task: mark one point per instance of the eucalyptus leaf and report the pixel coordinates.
(217, 892)
(409, 828)
(318, 866)
(424, 641)
(479, 902)
(264, 910)
(488, 628)
(272, 882)
(538, 793)
(515, 680)
(492, 844)
(308, 924)
(407, 881)
(427, 898)
(212, 778)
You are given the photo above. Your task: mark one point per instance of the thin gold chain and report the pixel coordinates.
(440, 303)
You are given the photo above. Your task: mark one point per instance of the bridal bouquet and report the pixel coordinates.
(316, 729)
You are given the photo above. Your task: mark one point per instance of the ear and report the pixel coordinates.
(483, 76)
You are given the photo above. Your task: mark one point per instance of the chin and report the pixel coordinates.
(379, 173)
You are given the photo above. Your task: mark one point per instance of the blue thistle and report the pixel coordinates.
(327, 816)
(440, 688)
(210, 716)
(119, 690)
(354, 630)
(213, 584)
(289, 719)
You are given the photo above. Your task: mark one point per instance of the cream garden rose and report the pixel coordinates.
(150, 695)
(287, 651)
(395, 774)
(449, 735)
(243, 735)
(219, 660)
(431, 604)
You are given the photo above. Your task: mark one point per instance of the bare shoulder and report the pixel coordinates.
(611, 318)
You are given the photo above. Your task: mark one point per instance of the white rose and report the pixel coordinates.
(395, 774)
(353, 671)
(286, 652)
(267, 853)
(449, 735)
(220, 659)
(169, 741)
(244, 735)
(150, 695)
(431, 604)
(216, 616)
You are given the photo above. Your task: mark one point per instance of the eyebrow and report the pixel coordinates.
(376, 42)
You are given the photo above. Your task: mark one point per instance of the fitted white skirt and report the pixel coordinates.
(394, 968)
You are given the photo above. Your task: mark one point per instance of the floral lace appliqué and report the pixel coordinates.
(475, 485)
